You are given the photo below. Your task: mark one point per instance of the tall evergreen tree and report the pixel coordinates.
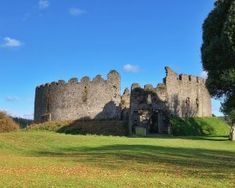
(218, 52)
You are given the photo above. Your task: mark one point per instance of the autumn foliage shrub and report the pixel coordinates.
(7, 124)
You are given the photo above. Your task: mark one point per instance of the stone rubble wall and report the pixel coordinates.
(143, 103)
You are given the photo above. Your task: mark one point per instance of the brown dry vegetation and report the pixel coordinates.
(7, 124)
(116, 128)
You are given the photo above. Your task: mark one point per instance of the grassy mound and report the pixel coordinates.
(7, 124)
(209, 126)
(116, 128)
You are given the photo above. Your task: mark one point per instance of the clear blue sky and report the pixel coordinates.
(47, 40)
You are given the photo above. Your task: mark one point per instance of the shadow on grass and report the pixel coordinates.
(208, 138)
(190, 161)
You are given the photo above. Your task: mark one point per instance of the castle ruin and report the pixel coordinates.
(98, 99)
(87, 99)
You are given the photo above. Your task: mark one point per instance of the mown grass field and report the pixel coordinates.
(48, 159)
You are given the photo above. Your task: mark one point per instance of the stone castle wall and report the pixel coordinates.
(147, 106)
(187, 95)
(87, 99)
(180, 95)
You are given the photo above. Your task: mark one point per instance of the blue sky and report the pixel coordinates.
(48, 40)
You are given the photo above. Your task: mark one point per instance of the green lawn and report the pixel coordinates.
(47, 159)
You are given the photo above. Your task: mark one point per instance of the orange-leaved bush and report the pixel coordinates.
(7, 124)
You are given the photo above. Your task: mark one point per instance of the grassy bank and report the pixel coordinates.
(210, 126)
(48, 159)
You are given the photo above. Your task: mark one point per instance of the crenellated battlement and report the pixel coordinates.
(148, 87)
(182, 78)
(191, 79)
(135, 86)
(112, 76)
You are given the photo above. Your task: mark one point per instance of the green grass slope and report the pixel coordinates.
(210, 126)
(48, 159)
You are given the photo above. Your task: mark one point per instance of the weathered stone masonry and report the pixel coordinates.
(187, 95)
(180, 95)
(87, 99)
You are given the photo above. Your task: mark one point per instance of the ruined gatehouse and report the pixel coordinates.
(99, 99)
